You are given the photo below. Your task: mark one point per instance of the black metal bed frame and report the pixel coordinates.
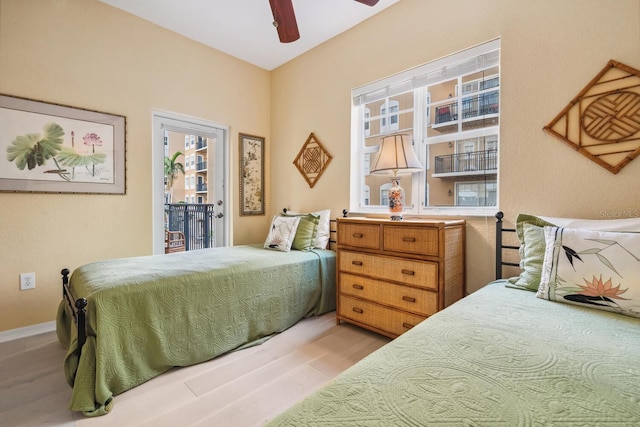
(501, 247)
(78, 309)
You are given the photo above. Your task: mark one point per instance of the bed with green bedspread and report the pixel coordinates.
(146, 315)
(499, 357)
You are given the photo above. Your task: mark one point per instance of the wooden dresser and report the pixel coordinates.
(394, 274)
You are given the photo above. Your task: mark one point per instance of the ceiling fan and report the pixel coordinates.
(284, 18)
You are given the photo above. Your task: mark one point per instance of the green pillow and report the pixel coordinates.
(530, 231)
(307, 231)
(531, 257)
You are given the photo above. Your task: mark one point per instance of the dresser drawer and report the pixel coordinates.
(387, 319)
(415, 240)
(423, 274)
(359, 235)
(418, 301)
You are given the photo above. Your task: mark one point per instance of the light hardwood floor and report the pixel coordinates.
(243, 388)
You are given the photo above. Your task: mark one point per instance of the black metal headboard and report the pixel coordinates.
(333, 230)
(501, 247)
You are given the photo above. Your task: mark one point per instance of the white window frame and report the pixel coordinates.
(416, 79)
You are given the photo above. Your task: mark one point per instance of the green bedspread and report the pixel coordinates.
(148, 314)
(499, 357)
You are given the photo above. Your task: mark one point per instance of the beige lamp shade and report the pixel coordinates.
(396, 155)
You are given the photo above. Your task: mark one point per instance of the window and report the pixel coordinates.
(384, 193)
(388, 116)
(450, 108)
(367, 125)
(476, 193)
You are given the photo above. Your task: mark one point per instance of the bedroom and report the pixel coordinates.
(89, 55)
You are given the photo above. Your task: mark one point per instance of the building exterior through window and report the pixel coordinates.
(450, 108)
(193, 186)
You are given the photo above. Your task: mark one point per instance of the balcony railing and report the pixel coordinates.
(201, 187)
(200, 166)
(475, 161)
(472, 107)
(201, 144)
(194, 220)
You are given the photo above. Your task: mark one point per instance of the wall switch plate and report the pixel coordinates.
(27, 281)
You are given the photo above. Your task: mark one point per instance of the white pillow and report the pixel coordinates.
(619, 224)
(282, 232)
(324, 227)
(591, 268)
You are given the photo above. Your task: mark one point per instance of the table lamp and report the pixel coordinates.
(395, 156)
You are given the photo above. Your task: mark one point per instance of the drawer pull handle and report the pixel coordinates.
(409, 272)
(356, 262)
(409, 299)
(408, 239)
(357, 286)
(358, 310)
(407, 325)
(358, 235)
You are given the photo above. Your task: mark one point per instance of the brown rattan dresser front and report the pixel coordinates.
(394, 274)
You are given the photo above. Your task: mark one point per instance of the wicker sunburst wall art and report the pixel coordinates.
(603, 121)
(312, 160)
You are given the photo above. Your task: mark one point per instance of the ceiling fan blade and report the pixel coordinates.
(368, 2)
(284, 19)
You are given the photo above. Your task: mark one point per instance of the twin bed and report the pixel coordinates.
(125, 321)
(504, 355)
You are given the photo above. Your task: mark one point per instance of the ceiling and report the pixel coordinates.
(244, 29)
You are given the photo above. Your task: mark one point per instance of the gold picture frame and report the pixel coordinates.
(251, 155)
(53, 148)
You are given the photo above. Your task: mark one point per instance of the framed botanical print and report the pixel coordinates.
(51, 148)
(251, 154)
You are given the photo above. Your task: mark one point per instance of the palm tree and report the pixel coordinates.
(171, 170)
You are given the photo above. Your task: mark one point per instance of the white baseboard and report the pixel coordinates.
(27, 331)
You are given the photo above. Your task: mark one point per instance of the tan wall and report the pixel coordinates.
(86, 54)
(550, 50)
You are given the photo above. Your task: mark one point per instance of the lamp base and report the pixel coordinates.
(396, 199)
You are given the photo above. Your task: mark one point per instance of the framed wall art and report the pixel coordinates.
(51, 148)
(251, 155)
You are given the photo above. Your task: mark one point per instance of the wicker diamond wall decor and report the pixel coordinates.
(603, 121)
(312, 160)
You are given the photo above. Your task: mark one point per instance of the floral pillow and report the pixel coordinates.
(529, 229)
(596, 269)
(282, 232)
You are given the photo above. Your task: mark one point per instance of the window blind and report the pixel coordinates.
(475, 59)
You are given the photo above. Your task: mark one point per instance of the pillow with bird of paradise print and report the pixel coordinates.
(529, 229)
(596, 269)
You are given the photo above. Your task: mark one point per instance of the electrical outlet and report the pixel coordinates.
(27, 281)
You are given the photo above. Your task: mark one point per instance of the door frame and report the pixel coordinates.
(165, 120)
